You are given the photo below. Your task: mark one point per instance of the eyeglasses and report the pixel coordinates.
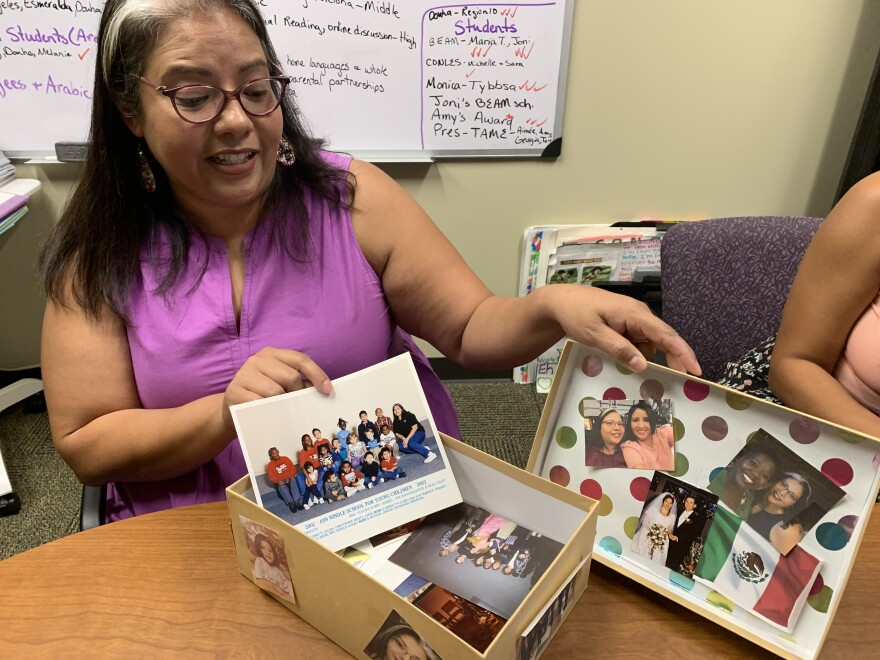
(198, 104)
(786, 490)
(609, 422)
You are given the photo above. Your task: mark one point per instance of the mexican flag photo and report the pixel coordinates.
(739, 564)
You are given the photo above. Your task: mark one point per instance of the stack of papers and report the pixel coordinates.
(14, 195)
(7, 169)
(12, 209)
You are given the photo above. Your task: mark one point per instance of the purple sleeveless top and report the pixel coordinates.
(185, 346)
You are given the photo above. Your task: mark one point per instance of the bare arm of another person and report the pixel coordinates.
(98, 423)
(837, 279)
(436, 296)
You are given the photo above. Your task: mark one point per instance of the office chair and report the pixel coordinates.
(725, 282)
(92, 507)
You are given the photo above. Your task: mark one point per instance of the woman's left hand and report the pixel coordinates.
(623, 327)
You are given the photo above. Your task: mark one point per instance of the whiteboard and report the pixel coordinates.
(407, 80)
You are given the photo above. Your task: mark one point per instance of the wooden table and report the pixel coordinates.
(168, 584)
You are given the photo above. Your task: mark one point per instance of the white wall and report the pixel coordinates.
(675, 109)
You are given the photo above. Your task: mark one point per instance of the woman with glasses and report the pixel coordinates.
(603, 440)
(773, 517)
(213, 254)
(649, 445)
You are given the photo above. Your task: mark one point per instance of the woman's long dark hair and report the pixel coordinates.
(652, 420)
(93, 254)
(258, 544)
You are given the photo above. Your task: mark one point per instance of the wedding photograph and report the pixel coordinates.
(775, 491)
(483, 557)
(673, 525)
(636, 434)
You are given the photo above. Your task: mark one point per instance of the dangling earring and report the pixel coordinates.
(286, 155)
(145, 172)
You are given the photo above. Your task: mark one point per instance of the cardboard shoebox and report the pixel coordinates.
(320, 579)
(775, 583)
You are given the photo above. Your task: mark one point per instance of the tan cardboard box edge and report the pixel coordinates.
(321, 581)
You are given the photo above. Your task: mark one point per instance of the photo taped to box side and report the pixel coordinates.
(398, 639)
(268, 559)
(539, 632)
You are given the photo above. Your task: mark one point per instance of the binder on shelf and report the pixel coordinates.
(10, 203)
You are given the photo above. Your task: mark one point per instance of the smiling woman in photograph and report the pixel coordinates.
(214, 253)
(648, 444)
(603, 440)
(773, 515)
(401, 642)
(737, 485)
(269, 567)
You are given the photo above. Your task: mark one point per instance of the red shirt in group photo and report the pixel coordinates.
(280, 469)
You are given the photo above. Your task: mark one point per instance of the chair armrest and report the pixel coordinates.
(92, 509)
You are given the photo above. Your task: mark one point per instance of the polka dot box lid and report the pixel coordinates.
(711, 424)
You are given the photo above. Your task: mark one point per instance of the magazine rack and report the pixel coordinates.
(703, 410)
(317, 573)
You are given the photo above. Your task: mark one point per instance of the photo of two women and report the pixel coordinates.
(775, 491)
(636, 434)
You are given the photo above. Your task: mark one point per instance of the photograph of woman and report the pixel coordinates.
(649, 442)
(775, 490)
(656, 523)
(774, 516)
(410, 433)
(396, 640)
(268, 560)
(604, 435)
(737, 485)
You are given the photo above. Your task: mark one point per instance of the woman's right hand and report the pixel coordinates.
(270, 372)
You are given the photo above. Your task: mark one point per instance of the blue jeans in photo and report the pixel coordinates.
(372, 480)
(285, 491)
(390, 476)
(414, 445)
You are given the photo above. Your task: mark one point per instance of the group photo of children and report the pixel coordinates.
(352, 458)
